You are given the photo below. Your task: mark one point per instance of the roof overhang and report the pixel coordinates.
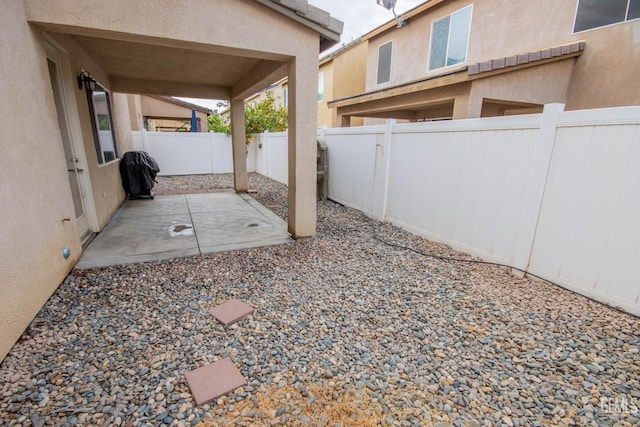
(138, 54)
(310, 16)
(181, 103)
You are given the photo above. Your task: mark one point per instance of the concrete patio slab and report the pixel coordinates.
(231, 311)
(183, 225)
(162, 205)
(214, 380)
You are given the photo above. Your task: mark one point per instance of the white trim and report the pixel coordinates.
(606, 116)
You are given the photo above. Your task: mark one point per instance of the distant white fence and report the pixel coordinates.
(185, 153)
(556, 194)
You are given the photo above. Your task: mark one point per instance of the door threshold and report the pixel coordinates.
(87, 238)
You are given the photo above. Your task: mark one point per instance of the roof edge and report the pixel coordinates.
(181, 103)
(312, 17)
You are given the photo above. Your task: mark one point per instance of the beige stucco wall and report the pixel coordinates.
(134, 105)
(543, 84)
(498, 28)
(350, 67)
(210, 26)
(353, 64)
(607, 73)
(35, 185)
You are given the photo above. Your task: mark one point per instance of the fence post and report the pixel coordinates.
(536, 186)
(322, 133)
(381, 182)
(263, 141)
(145, 140)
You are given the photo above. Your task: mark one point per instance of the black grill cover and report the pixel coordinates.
(138, 171)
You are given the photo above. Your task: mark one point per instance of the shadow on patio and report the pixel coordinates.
(346, 326)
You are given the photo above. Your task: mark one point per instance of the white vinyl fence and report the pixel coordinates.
(271, 155)
(556, 194)
(185, 153)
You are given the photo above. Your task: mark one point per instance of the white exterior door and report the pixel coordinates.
(74, 154)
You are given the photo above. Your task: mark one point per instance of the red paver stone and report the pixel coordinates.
(214, 380)
(231, 311)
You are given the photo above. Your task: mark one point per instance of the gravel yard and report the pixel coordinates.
(348, 330)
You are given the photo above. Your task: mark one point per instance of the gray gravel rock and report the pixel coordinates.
(431, 341)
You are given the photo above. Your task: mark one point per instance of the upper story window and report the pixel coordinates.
(102, 124)
(384, 62)
(449, 39)
(598, 13)
(320, 86)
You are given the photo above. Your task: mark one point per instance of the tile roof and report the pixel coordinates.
(572, 49)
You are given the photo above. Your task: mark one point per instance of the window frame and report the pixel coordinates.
(98, 118)
(390, 43)
(431, 38)
(626, 18)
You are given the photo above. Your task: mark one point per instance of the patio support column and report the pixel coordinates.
(302, 145)
(240, 176)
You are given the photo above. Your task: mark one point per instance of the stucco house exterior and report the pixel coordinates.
(156, 113)
(454, 59)
(341, 74)
(65, 120)
(279, 90)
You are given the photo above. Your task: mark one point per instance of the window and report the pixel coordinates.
(285, 96)
(320, 86)
(384, 62)
(598, 13)
(449, 39)
(102, 123)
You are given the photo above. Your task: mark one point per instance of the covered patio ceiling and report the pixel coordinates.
(211, 49)
(147, 64)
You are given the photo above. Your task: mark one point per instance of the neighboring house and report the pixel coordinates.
(65, 120)
(455, 59)
(341, 74)
(279, 90)
(165, 114)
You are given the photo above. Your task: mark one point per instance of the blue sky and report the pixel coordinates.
(359, 17)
